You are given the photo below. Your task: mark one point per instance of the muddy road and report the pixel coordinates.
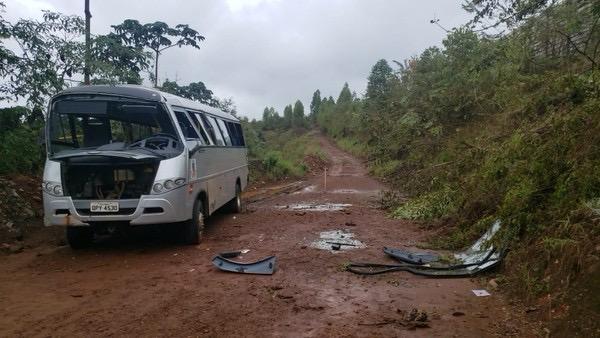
(150, 287)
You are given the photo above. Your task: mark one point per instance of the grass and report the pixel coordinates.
(285, 154)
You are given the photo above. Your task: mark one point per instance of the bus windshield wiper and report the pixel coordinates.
(153, 152)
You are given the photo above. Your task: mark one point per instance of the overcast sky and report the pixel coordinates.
(272, 52)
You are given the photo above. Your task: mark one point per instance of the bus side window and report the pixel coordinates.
(196, 121)
(236, 136)
(224, 132)
(216, 131)
(240, 134)
(209, 128)
(186, 126)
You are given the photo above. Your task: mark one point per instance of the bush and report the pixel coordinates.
(20, 152)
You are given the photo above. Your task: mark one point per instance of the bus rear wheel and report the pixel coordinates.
(192, 230)
(79, 237)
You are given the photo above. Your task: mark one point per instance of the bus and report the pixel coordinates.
(129, 156)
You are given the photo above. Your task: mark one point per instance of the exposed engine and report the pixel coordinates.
(107, 178)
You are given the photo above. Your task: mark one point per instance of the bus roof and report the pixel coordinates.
(145, 93)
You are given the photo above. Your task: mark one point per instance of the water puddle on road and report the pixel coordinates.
(337, 240)
(354, 191)
(306, 190)
(316, 207)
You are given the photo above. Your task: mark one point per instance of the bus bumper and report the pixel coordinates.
(170, 207)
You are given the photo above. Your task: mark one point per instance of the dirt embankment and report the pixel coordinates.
(21, 214)
(147, 286)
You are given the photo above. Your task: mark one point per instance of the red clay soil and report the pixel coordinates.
(151, 287)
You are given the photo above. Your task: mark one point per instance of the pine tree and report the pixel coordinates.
(314, 105)
(298, 115)
(380, 81)
(345, 95)
(288, 113)
(267, 119)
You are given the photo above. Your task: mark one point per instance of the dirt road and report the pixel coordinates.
(152, 288)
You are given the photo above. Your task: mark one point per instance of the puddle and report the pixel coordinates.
(309, 189)
(344, 238)
(316, 207)
(354, 191)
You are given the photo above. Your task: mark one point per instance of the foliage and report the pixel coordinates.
(508, 12)
(18, 142)
(113, 62)
(157, 36)
(49, 55)
(298, 118)
(429, 206)
(196, 91)
(279, 154)
(315, 103)
(288, 116)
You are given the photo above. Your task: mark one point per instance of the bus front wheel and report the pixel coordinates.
(192, 232)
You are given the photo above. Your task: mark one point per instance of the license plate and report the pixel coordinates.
(104, 206)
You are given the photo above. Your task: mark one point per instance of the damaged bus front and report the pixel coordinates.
(116, 158)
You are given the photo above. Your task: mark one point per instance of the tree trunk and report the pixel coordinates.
(86, 69)
(156, 70)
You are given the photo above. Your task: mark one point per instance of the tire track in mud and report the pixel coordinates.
(153, 288)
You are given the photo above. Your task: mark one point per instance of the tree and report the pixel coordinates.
(379, 85)
(49, 55)
(267, 119)
(298, 115)
(314, 105)
(196, 91)
(288, 116)
(503, 12)
(7, 57)
(113, 62)
(226, 105)
(345, 96)
(158, 37)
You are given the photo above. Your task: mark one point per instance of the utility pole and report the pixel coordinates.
(86, 69)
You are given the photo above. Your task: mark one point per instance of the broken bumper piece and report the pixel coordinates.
(480, 257)
(262, 267)
(417, 258)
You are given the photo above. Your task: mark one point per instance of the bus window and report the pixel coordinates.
(224, 132)
(209, 128)
(199, 126)
(186, 126)
(235, 131)
(240, 134)
(218, 136)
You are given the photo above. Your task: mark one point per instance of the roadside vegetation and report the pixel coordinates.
(281, 147)
(500, 123)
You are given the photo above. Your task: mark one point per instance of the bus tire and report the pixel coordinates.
(192, 230)
(235, 206)
(79, 237)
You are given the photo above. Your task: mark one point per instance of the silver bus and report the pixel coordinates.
(130, 155)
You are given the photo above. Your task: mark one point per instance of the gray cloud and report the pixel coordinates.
(272, 52)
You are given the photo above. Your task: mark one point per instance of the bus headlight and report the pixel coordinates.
(163, 186)
(157, 188)
(52, 188)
